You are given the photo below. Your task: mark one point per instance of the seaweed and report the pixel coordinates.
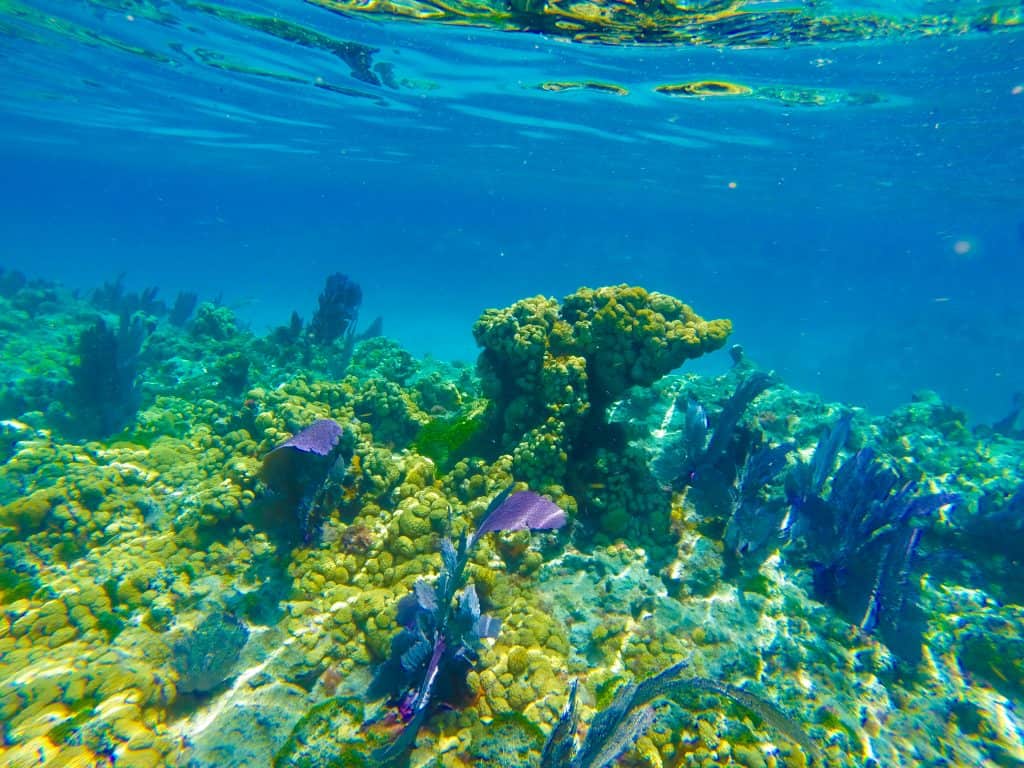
(105, 383)
(11, 281)
(727, 468)
(80, 712)
(184, 306)
(861, 543)
(807, 480)
(112, 297)
(755, 525)
(443, 439)
(708, 460)
(19, 577)
(338, 309)
(110, 623)
(630, 714)
(437, 645)
(297, 471)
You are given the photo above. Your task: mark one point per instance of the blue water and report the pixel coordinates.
(466, 187)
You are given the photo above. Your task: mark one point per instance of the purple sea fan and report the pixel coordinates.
(296, 470)
(280, 466)
(438, 644)
(319, 438)
(521, 511)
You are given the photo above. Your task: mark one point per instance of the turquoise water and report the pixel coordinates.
(841, 181)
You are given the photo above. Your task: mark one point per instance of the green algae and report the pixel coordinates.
(998, 657)
(757, 583)
(81, 712)
(605, 691)
(445, 438)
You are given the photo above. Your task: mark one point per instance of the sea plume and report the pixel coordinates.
(441, 633)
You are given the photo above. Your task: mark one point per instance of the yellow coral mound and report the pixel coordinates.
(551, 370)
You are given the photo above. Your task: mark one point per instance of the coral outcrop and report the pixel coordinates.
(552, 370)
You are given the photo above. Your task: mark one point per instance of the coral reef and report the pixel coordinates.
(152, 615)
(213, 322)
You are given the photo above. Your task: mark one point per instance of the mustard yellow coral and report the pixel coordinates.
(631, 337)
(551, 370)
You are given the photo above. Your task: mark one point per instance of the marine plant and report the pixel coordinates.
(699, 450)
(1012, 425)
(112, 297)
(18, 577)
(616, 728)
(184, 306)
(708, 460)
(861, 541)
(105, 392)
(297, 470)
(444, 438)
(727, 468)
(437, 645)
(806, 480)
(11, 281)
(287, 335)
(338, 310)
(755, 524)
